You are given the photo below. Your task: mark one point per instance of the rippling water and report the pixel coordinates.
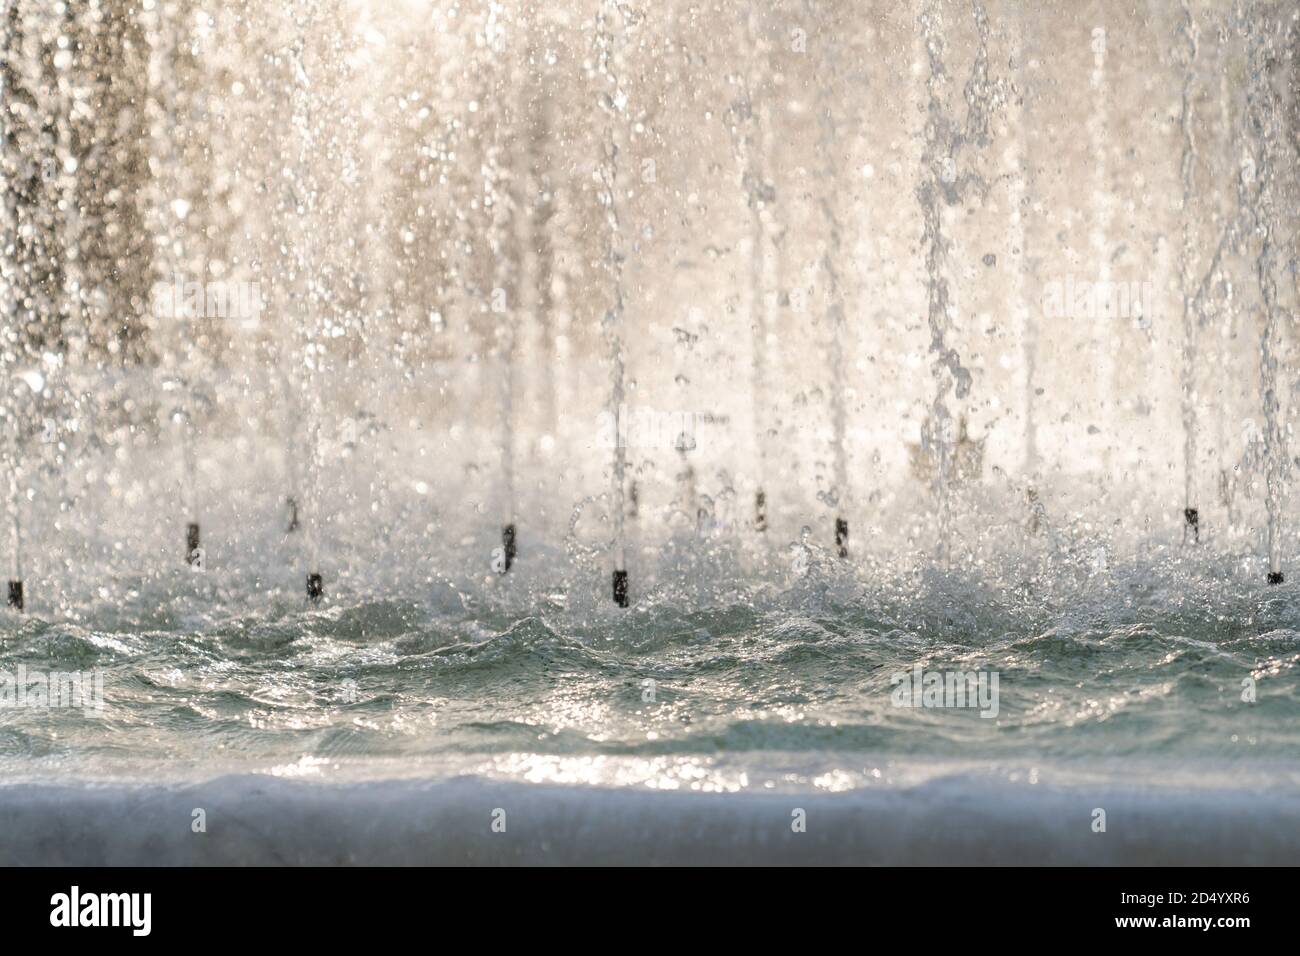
(758, 687)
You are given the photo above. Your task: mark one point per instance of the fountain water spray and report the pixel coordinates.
(166, 213)
(11, 158)
(41, 228)
(501, 200)
(539, 220)
(72, 134)
(1105, 340)
(1214, 292)
(837, 342)
(283, 357)
(188, 81)
(1191, 321)
(1226, 309)
(15, 599)
(943, 182)
(1022, 190)
(748, 131)
(685, 341)
(1267, 142)
(613, 102)
(308, 301)
(687, 492)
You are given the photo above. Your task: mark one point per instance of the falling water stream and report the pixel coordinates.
(1191, 316)
(944, 182)
(1265, 129)
(747, 129)
(309, 319)
(613, 101)
(836, 344)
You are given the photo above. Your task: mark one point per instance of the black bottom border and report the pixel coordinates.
(305, 905)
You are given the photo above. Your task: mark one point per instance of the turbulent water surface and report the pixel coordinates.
(1189, 668)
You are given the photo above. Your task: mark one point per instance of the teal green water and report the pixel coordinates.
(1188, 669)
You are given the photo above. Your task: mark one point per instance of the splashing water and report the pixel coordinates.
(365, 289)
